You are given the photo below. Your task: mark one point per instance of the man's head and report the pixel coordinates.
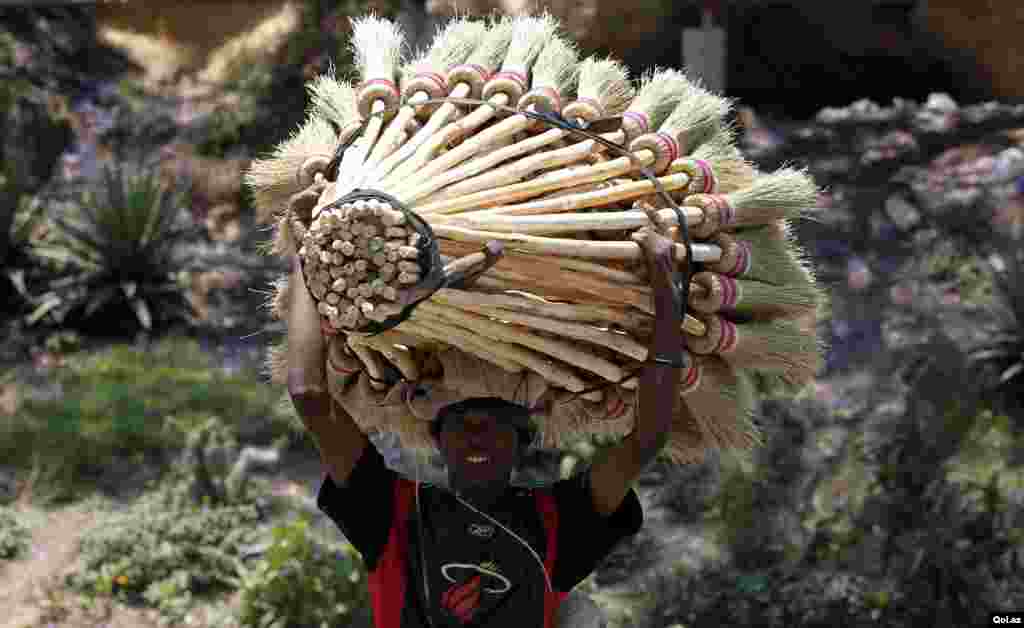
(482, 440)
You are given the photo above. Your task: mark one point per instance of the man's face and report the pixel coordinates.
(479, 449)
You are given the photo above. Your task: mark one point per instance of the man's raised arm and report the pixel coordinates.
(613, 475)
(339, 439)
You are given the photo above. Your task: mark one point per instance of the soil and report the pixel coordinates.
(30, 590)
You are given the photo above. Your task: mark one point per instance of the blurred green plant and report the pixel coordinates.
(302, 581)
(164, 554)
(28, 226)
(14, 535)
(732, 511)
(213, 469)
(1003, 351)
(122, 248)
(128, 401)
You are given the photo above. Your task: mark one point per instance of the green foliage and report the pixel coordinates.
(733, 509)
(213, 469)
(127, 400)
(119, 253)
(304, 582)
(1003, 352)
(985, 455)
(14, 535)
(165, 554)
(224, 128)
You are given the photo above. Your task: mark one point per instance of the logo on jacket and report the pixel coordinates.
(481, 530)
(469, 582)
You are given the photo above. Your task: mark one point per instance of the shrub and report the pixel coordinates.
(118, 252)
(123, 402)
(1003, 352)
(304, 582)
(14, 535)
(164, 554)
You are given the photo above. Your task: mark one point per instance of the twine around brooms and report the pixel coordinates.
(573, 311)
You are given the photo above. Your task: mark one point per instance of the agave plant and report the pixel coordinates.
(121, 246)
(1004, 351)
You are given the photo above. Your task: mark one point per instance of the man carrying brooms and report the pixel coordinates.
(483, 553)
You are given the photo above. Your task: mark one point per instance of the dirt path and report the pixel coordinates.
(25, 583)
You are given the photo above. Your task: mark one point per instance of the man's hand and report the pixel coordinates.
(613, 475)
(659, 253)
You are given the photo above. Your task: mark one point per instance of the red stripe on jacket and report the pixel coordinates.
(549, 513)
(387, 580)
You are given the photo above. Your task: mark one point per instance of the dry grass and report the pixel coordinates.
(209, 40)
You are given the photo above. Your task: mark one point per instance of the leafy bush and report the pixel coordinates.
(165, 554)
(14, 535)
(118, 252)
(1004, 351)
(304, 582)
(123, 401)
(214, 470)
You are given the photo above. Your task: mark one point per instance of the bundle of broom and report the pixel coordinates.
(499, 132)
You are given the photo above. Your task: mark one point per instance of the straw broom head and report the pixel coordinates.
(484, 59)
(785, 193)
(780, 345)
(698, 117)
(767, 254)
(333, 100)
(530, 35)
(730, 169)
(452, 44)
(604, 90)
(554, 77)
(276, 178)
(716, 413)
(377, 45)
(659, 93)
(695, 120)
(755, 299)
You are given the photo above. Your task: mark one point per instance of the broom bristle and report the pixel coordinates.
(453, 43)
(660, 92)
(736, 172)
(557, 67)
(279, 302)
(787, 191)
(494, 45)
(377, 46)
(333, 100)
(284, 239)
(765, 254)
(751, 298)
(779, 345)
(722, 406)
(606, 81)
(274, 179)
(731, 170)
(698, 117)
(530, 34)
